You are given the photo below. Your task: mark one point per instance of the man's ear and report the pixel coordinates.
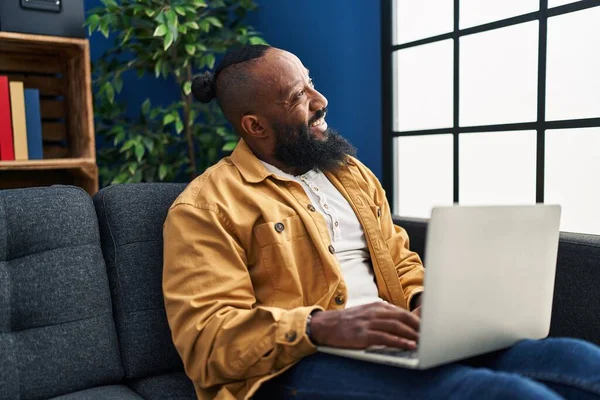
(252, 126)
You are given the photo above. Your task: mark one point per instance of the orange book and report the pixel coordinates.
(6, 133)
(17, 106)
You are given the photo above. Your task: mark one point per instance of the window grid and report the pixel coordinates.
(540, 126)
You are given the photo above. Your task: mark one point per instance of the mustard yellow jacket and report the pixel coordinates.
(238, 291)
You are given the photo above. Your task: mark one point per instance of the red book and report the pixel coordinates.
(7, 151)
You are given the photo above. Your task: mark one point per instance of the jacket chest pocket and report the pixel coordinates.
(287, 256)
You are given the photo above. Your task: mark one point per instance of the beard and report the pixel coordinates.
(296, 147)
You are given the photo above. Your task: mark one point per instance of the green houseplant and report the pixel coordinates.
(172, 39)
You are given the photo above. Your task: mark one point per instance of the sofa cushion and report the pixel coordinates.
(131, 220)
(57, 333)
(113, 392)
(173, 386)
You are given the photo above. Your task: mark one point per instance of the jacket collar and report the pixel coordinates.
(248, 164)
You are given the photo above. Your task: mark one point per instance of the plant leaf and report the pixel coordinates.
(118, 84)
(110, 3)
(205, 26)
(257, 40)
(162, 172)
(127, 36)
(179, 10)
(149, 144)
(190, 49)
(139, 151)
(146, 106)
(119, 137)
(160, 18)
(214, 21)
(158, 68)
(169, 118)
(128, 144)
(160, 30)
(187, 88)
(168, 40)
(210, 60)
(178, 126)
(92, 22)
(192, 117)
(109, 90)
(171, 18)
(104, 28)
(229, 146)
(192, 25)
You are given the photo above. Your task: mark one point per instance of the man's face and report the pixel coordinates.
(296, 116)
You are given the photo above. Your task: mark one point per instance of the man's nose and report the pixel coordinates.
(318, 101)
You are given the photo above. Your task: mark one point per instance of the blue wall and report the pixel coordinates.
(338, 40)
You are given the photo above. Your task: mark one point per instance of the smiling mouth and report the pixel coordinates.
(318, 122)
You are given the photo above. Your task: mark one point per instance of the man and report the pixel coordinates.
(289, 242)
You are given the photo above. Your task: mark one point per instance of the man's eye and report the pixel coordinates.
(300, 93)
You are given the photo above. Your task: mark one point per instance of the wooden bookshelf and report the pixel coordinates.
(60, 68)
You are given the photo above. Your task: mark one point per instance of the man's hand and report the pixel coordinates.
(364, 326)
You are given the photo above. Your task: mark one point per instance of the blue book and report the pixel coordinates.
(33, 118)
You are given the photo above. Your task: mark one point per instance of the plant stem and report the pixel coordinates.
(189, 134)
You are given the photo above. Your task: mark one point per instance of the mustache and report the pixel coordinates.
(319, 114)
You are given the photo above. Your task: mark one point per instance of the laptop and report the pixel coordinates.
(489, 283)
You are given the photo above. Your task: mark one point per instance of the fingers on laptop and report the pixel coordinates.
(377, 338)
(395, 328)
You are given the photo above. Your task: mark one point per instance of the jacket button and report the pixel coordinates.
(311, 207)
(379, 212)
(291, 336)
(339, 299)
(331, 249)
(279, 227)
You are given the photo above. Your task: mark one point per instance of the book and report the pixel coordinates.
(17, 108)
(6, 134)
(33, 120)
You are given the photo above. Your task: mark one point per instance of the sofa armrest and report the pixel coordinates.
(417, 232)
(576, 306)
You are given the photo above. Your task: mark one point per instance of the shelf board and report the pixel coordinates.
(58, 163)
(41, 40)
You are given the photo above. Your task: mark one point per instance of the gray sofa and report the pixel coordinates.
(81, 309)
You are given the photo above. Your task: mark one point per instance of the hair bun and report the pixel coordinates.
(203, 87)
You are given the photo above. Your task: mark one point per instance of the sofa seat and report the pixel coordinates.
(172, 386)
(111, 392)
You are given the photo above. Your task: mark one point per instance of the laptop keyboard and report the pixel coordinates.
(390, 351)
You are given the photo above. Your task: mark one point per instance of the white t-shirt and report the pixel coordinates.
(346, 232)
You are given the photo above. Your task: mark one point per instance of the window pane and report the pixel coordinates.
(423, 174)
(573, 87)
(420, 19)
(498, 76)
(554, 3)
(497, 168)
(572, 170)
(478, 12)
(423, 87)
